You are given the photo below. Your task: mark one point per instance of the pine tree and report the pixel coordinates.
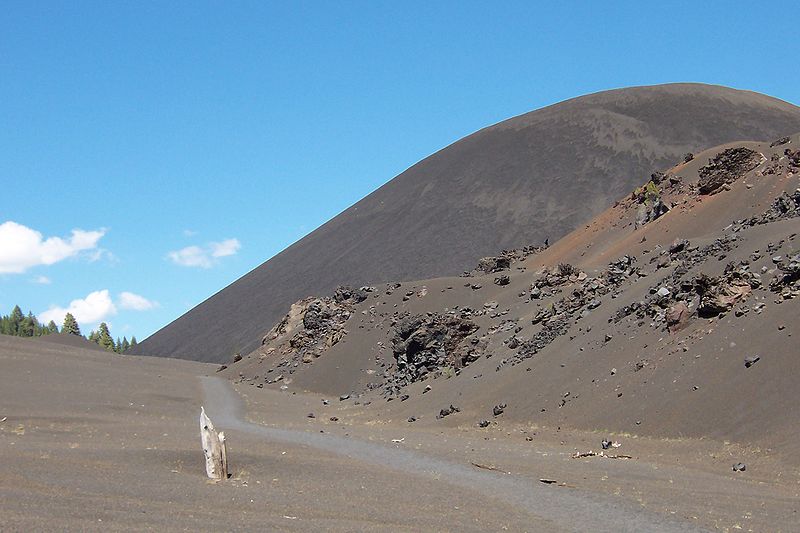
(29, 326)
(16, 319)
(118, 346)
(133, 342)
(125, 345)
(104, 338)
(51, 327)
(70, 325)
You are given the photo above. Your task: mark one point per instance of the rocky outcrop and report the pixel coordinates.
(490, 265)
(499, 263)
(726, 167)
(422, 344)
(584, 296)
(312, 326)
(651, 206)
(719, 294)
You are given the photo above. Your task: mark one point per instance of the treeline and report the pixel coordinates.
(103, 337)
(21, 325)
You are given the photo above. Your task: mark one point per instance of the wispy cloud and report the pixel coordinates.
(135, 302)
(191, 256)
(42, 280)
(22, 247)
(204, 256)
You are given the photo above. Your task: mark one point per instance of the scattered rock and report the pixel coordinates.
(502, 280)
(677, 317)
(719, 294)
(739, 467)
(497, 410)
(448, 411)
(490, 265)
(782, 140)
(678, 245)
(483, 424)
(750, 360)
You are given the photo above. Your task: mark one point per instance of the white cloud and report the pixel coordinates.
(225, 248)
(42, 280)
(95, 308)
(189, 233)
(135, 302)
(191, 256)
(204, 257)
(22, 247)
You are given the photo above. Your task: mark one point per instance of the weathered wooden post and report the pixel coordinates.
(213, 448)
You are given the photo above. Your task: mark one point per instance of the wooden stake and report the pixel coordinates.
(214, 448)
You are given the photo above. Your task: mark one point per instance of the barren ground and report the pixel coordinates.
(95, 441)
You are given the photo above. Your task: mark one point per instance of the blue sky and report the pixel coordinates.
(151, 153)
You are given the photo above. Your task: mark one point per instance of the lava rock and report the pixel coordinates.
(726, 167)
(447, 411)
(678, 245)
(497, 410)
(677, 317)
(502, 280)
(490, 265)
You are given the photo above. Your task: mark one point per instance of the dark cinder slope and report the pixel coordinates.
(532, 177)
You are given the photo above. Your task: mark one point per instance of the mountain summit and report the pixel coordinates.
(529, 178)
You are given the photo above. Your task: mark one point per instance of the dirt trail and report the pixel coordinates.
(572, 509)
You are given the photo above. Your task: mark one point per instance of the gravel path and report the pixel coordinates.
(570, 508)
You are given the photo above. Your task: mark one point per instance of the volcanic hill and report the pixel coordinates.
(533, 177)
(672, 314)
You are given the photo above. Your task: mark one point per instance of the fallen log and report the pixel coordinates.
(489, 467)
(580, 455)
